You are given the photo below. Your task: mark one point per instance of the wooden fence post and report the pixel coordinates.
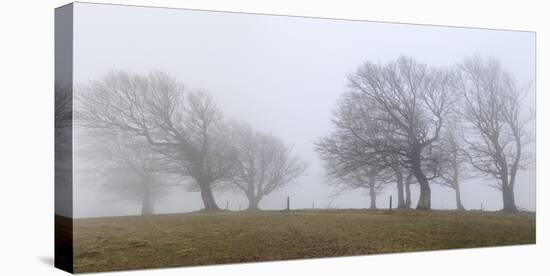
(390, 203)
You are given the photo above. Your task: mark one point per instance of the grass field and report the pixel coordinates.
(135, 242)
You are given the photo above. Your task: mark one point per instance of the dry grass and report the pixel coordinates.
(103, 244)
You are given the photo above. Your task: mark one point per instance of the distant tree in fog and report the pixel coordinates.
(453, 166)
(263, 163)
(348, 164)
(186, 126)
(371, 179)
(63, 107)
(127, 168)
(63, 119)
(497, 123)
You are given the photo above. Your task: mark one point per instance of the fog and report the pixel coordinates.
(283, 75)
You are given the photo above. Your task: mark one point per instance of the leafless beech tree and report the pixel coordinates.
(344, 177)
(263, 163)
(492, 108)
(63, 123)
(184, 125)
(348, 165)
(63, 107)
(63, 148)
(373, 179)
(453, 169)
(128, 168)
(397, 109)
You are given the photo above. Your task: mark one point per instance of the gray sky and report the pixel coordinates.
(283, 75)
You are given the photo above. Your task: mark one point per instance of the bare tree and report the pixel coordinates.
(453, 169)
(63, 107)
(127, 168)
(397, 109)
(492, 109)
(184, 125)
(263, 163)
(63, 148)
(63, 134)
(348, 164)
(370, 178)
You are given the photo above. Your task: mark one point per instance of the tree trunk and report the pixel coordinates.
(253, 203)
(147, 204)
(408, 192)
(459, 205)
(372, 200)
(508, 200)
(425, 199)
(400, 195)
(455, 179)
(372, 193)
(208, 198)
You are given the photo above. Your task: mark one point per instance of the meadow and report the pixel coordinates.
(136, 242)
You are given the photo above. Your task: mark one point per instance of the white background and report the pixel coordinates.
(26, 145)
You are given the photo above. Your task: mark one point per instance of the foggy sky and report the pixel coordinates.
(284, 76)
